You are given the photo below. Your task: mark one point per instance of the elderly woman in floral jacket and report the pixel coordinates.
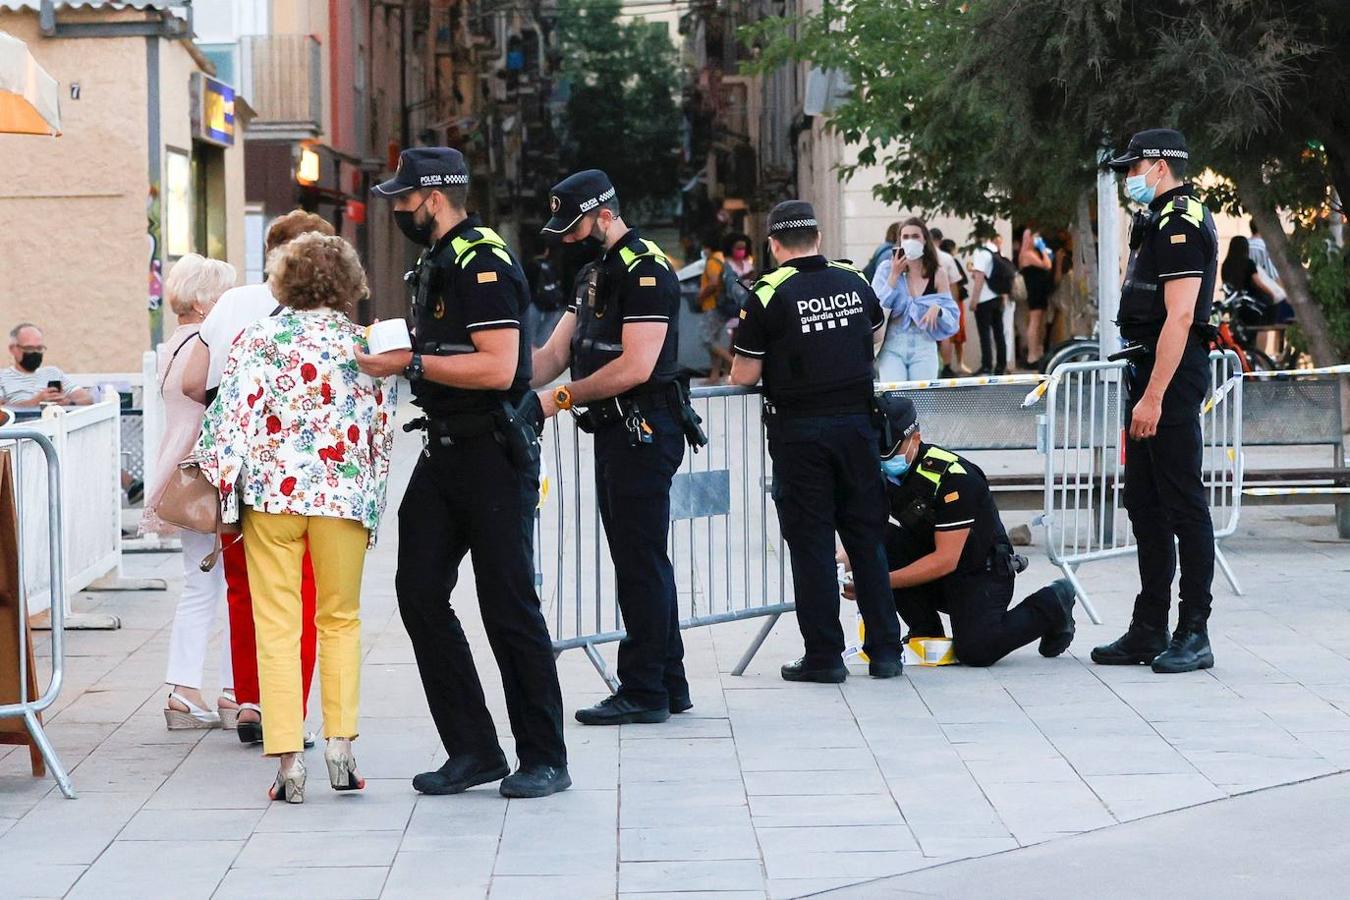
(298, 442)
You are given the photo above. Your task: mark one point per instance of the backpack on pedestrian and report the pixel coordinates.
(1002, 273)
(732, 294)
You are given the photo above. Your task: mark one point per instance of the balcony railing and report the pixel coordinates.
(285, 83)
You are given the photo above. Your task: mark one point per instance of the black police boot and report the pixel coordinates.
(535, 781)
(885, 668)
(798, 670)
(1138, 646)
(680, 702)
(1058, 639)
(617, 709)
(461, 773)
(1188, 651)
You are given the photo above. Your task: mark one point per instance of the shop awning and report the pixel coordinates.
(29, 97)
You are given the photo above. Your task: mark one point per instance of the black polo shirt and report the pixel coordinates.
(629, 283)
(812, 322)
(462, 292)
(961, 499)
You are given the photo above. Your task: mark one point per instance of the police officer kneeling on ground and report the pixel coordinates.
(809, 331)
(475, 487)
(948, 552)
(1164, 314)
(620, 339)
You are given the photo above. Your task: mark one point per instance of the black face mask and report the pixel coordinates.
(31, 361)
(417, 232)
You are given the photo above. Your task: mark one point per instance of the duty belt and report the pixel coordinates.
(449, 427)
(617, 409)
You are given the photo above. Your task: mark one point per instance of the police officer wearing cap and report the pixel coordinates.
(948, 552)
(810, 332)
(474, 489)
(619, 338)
(1164, 314)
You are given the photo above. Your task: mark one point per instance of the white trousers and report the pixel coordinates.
(203, 596)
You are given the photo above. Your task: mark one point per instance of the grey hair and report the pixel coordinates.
(195, 279)
(14, 332)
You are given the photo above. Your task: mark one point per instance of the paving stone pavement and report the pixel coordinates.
(763, 790)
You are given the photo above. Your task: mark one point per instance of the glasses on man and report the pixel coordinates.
(32, 348)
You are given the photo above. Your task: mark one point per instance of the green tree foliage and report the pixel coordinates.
(999, 106)
(622, 113)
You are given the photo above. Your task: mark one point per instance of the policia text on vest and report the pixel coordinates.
(809, 333)
(474, 488)
(619, 339)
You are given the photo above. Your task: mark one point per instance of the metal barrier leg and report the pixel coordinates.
(48, 754)
(599, 662)
(1226, 569)
(1083, 600)
(756, 644)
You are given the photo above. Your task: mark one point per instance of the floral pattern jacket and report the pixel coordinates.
(296, 427)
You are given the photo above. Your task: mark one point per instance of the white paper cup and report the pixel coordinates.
(389, 334)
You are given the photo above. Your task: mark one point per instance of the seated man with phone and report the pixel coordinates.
(28, 383)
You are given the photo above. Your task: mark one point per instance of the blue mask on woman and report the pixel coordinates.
(896, 466)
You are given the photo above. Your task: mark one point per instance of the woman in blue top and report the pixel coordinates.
(917, 298)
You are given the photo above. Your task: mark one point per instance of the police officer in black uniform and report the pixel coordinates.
(1164, 314)
(948, 552)
(475, 487)
(620, 338)
(810, 332)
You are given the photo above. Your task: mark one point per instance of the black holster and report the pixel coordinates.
(520, 426)
(690, 421)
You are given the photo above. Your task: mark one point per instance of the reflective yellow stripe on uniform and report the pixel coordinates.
(465, 248)
(1193, 213)
(769, 283)
(944, 456)
(834, 264)
(631, 257)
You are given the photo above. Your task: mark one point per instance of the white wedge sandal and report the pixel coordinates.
(194, 717)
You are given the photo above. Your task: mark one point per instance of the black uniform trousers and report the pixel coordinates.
(467, 497)
(633, 486)
(1169, 512)
(827, 479)
(984, 629)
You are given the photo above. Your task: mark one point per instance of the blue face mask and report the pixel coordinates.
(896, 466)
(1138, 189)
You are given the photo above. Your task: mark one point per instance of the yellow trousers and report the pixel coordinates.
(275, 547)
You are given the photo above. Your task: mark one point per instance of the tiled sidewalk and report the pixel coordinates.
(764, 789)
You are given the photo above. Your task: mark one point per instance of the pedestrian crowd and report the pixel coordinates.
(280, 410)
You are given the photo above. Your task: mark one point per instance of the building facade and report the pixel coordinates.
(150, 166)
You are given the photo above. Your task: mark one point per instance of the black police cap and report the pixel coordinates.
(573, 197)
(791, 215)
(901, 420)
(425, 167)
(1154, 143)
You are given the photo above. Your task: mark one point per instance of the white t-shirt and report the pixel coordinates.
(236, 309)
(18, 386)
(947, 263)
(983, 262)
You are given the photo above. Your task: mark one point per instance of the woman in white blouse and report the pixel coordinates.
(191, 289)
(298, 443)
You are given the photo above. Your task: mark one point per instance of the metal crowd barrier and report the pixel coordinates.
(18, 439)
(730, 560)
(1083, 441)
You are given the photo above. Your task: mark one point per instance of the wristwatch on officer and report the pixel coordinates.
(413, 370)
(562, 397)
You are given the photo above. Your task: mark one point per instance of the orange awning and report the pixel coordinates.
(29, 97)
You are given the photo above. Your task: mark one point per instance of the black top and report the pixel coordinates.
(1179, 241)
(632, 282)
(961, 499)
(812, 323)
(461, 290)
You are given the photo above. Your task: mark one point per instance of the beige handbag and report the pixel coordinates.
(190, 501)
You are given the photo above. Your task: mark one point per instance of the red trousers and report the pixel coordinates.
(243, 644)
